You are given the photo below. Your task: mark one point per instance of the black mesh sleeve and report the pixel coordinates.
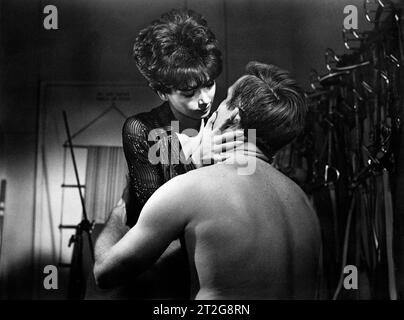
(144, 177)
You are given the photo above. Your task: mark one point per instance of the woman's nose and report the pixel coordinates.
(202, 104)
(204, 97)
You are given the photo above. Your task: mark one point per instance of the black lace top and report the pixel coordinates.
(140, 133)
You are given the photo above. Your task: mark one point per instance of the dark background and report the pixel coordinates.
(93, 44)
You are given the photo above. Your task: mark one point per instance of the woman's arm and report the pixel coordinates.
(144, 177)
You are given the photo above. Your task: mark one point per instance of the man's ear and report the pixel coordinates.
(162, 96)
(235, 116)
(232, 122)
(235, 123)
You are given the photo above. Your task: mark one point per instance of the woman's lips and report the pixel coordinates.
(205, 108)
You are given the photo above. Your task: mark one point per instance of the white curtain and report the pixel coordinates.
(105, 180)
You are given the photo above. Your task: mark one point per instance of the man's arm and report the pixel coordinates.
(115, 228)
(162, 220)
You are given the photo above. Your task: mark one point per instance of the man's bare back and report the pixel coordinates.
(251, 236)
(247, 236)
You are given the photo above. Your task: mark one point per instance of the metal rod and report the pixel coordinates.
(69, 139)
(67, 226)
(72, 186)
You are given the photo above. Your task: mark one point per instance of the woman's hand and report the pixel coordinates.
(211, 144)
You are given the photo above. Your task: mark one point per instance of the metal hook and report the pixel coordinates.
(346, 39)
(368, 87)
(326, 175)
(332, 75)
(385, 77)
(352, 67)
(355, 34)
(394, 60)
(330, 57)
(314, 78)
(368, 11)
(381, 3)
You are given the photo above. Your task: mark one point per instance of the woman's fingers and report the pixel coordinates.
(202, 126)
(229, 136)
(211, 121)
(220, 157)
(228, 121)
(214, 144)
(234, 114)
(226, 146)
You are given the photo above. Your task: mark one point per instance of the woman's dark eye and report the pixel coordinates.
(188, 94)
(210, 84)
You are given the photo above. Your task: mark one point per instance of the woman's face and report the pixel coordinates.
(195, 103)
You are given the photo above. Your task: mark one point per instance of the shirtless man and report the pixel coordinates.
(251, 236)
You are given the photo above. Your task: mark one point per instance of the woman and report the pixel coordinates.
(179, 57)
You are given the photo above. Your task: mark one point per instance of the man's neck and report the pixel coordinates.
(247, 149)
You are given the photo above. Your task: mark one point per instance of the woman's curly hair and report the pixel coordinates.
(178, 51)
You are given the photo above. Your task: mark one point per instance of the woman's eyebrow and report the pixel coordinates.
(186, 90)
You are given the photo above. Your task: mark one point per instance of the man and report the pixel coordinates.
(251, 236)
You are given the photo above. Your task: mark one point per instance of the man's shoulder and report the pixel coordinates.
(207, 175)
(184, 183)
(190, 185)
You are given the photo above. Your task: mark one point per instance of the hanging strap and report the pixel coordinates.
(388, 207)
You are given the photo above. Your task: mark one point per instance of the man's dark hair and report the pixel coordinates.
(271, 102)
(178, 52)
